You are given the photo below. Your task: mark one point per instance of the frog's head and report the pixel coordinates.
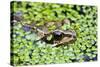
(70, 33)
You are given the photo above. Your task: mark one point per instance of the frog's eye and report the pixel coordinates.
(57, 33)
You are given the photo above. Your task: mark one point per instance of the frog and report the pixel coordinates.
(57, 36)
